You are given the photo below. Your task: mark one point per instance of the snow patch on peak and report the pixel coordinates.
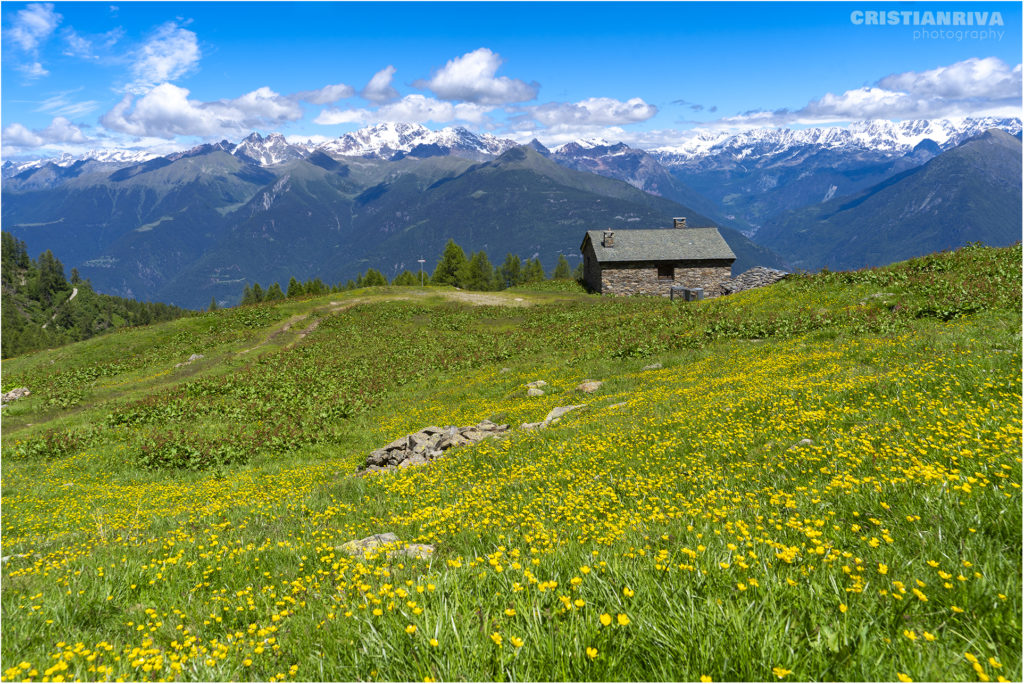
(880, 135)
(392, 140)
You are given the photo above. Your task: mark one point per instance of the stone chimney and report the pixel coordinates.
(679, 222)
(609, 239)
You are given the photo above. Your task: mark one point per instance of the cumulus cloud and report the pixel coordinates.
(325, 95)
(988, 78)
(471, 78)
(411, 108)
(59, 131)
(972, 87)
(170, 53)
(379, 88)
(33, 25)
(594, 111)
(166, 112)
(33, 70)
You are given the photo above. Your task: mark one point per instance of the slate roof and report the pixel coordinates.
(668, 244)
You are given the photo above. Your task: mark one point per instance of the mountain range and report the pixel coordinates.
(202, 222)
(971, 193)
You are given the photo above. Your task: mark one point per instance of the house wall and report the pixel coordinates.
(591, 269)
(642, 278)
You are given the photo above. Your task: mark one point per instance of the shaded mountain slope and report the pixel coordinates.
(971, 193)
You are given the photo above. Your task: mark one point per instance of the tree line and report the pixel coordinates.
(473, 272)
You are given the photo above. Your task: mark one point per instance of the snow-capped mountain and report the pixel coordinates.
(393, 140)
(107, 156)
(884, 136)
(272, 149)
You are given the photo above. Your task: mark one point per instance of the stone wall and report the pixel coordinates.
(591, 269)
(759, 276)
(642, 278)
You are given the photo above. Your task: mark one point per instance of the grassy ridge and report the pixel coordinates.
(691, 519)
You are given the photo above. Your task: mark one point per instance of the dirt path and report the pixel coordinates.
(475, 298)
(74, 293)
(280, 331)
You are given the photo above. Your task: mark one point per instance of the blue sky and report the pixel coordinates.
(161, 76)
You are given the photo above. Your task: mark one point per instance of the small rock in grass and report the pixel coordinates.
(14, 395)
(534, 392)
(653, 366)
(537, 383)
(560, 411)
(370, 544)
(589, 386)
(620, 404)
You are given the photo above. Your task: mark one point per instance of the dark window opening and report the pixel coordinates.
(666, 273)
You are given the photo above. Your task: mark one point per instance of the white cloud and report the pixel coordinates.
(33, 25)
(60, 130)
(62, 105)
(169, 54)
(601, 111)
(411, 108)
(17, 135)
(379, 88)
(77, 45)
(471, 78)
(166, 112)
(989, 78)
(325, 95)
(973, 87)
(33, 71)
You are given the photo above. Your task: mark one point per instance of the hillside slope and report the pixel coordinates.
(817, 480)
(971, 193)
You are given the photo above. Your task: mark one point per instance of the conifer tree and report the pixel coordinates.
(373, 278)
(213, 304)
(273, 293)
(510, 273)
(452, 261)
(533, 271)
(257, 293)
(406, 278)
(247, 296)
(477, 274)
(295, 288)
(561, 269)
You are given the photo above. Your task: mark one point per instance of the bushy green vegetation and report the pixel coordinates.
(39, 311)
(821, 482)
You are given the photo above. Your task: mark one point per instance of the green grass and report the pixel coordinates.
(184, 523)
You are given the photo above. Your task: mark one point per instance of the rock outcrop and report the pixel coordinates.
(14, 395)
(191, 359)
(422, 447)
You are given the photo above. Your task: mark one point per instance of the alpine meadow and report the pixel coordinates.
(814, 480)
(511, 342)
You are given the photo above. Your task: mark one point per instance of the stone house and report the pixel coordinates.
(650, 262)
